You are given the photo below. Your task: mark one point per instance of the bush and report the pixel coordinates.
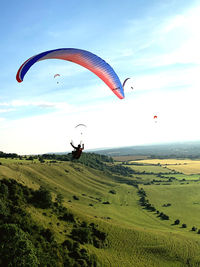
(42, 198)
(184, 225)
(112, 191)
(89, 234)
(177, 222)
(47, 234)
(106, 202)
(68, 243)
(68, 217)
(82, 234)
(165, 217)
(194, 228)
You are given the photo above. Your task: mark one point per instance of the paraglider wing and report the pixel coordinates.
(56, 75)
(80, 125)
(82, 57)
(125, 81)
(155, 117)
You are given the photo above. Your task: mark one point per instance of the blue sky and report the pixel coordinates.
(156, 43)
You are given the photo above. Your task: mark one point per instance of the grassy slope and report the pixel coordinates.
(136, 237)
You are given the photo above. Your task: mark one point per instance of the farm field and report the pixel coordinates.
(135, 235)
(184, 200)
(151, 168)
(185, 166)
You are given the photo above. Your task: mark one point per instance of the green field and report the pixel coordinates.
(136, 236)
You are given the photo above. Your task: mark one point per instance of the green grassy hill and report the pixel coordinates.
(136, 236)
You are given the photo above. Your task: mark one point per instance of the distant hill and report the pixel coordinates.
(169, 150)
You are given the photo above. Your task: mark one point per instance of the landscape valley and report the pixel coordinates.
(118, 212)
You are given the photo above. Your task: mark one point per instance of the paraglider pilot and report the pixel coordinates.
(78, 151)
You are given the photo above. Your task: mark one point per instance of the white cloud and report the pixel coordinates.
(162, 41)
(41, 104)
(6, 110)
(4, 104)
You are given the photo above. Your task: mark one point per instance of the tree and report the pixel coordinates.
(16, 249)
(41, 160)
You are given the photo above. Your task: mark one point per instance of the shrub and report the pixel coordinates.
(177, 222)
(106, 202)
(165, 217)
(42, 198)
(112, 191)
(184, 225)
(68, 217)
(194, 228)
(47, 234)
(82, 234)
(68, 243)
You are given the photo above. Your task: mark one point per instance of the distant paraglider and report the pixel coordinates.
(82, 57)
(81, 128)
(155, 117)
(56, 75)
(127, 85)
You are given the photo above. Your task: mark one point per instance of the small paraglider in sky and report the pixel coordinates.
(128, 84)
(81, 128)
(79, 133)
(155, 117)
(56, 75)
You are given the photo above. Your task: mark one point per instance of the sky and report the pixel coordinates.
(155, 43)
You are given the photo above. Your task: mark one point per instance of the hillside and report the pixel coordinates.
(135, 236)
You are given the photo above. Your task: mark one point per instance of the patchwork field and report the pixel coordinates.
(185, 166)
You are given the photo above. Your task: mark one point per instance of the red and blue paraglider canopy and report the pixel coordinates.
(82, 57)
